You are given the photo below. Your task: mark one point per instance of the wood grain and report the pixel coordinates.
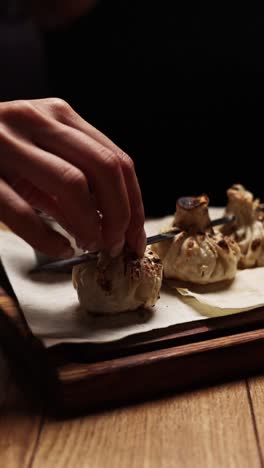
(155, 372)
(218, 427)
(169, 365)
(256, 396)
(19, 430)
(210, 428)
(4, 378)
(174, 360)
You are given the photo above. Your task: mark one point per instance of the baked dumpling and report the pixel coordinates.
(197, 253)
(113, 285)
(247, 229)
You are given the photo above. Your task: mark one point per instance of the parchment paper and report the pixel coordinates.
(245, 292)
(50, 304)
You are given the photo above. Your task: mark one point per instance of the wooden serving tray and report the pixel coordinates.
(71, 378)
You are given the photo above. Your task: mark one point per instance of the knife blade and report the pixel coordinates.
(65, 265)
(60, 266)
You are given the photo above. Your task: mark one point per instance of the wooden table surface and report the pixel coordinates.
(222, 426)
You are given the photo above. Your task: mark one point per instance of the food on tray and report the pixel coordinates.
(112, 285)
(247, 229)
(197, 253)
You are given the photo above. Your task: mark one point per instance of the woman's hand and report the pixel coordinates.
(54, 161)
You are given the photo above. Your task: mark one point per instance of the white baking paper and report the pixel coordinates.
(245, 292)
(50, 304)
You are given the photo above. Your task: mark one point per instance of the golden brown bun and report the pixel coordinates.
(197, 254)
(247, 230)
(112, 285)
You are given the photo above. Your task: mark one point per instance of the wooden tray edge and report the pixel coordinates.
(120, 381)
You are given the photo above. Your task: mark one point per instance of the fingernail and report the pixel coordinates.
(117, 249)
(141, 243)
(67, 253)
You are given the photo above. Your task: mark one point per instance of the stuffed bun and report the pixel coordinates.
(247, 229)
(197, 253)
(107, 285)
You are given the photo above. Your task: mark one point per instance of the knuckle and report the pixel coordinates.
(20, 111)
(126, 162)
(110, 161)
(58, 105)
(8, 143)
(74, 178)
(18, 114)
(5, 109)
(22, 108)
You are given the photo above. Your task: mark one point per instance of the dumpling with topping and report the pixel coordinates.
(197, 253)
(107, 285)
(247, 229)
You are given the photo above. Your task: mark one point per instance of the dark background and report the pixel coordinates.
(179, 88)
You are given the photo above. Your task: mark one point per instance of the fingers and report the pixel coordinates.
(135, 235)
(106, 180)
(20, 217)
(62, 154)
(35, 197)
(102, 168)
(43, 202)
(65, 182)
(111, 196)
